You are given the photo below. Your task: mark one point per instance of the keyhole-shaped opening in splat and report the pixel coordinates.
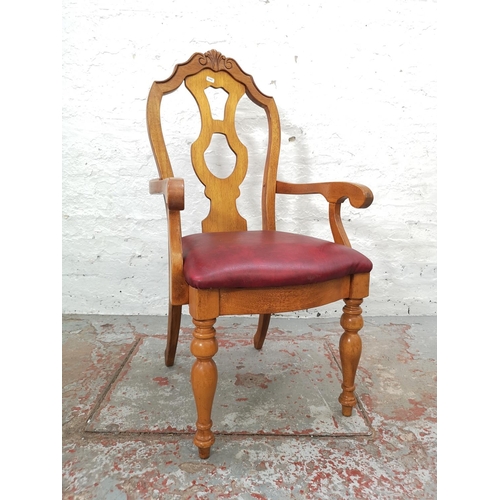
(217, 99)
(219, 157)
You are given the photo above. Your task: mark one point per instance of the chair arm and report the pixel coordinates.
(335, 193)
(173, 190)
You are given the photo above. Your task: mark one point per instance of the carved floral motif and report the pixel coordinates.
(215, 60)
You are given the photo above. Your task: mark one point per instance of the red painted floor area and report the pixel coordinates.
(128, 420)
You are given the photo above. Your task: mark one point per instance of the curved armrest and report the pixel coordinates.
(173, 190)
(335, 193)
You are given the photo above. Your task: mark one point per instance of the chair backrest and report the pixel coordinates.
(199, 73)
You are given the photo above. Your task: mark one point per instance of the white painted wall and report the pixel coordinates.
(355, 86)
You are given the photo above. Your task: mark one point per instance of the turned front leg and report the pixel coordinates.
(204, 382)
(350, 352)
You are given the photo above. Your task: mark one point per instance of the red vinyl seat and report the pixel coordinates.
(254, 259)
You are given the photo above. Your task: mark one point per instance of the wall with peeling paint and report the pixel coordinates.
(355, 85)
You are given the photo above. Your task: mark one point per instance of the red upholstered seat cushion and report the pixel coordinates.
(255, 259)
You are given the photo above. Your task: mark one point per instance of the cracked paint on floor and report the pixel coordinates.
(116, 445)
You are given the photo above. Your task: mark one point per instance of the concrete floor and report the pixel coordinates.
(128, 420)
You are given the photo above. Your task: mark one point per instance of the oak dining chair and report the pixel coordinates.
(226, 269)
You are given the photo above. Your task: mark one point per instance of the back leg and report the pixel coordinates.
(260, 336)
(174, 323)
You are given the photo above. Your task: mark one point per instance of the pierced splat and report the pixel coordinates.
(217, 99)
(222, 192)
(219, 157)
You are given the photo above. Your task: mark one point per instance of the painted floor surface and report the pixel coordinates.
(128, 420)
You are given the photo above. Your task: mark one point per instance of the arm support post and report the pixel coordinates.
(172, 189)
(335, 193)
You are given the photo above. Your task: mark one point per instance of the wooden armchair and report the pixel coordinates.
(227, 270)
